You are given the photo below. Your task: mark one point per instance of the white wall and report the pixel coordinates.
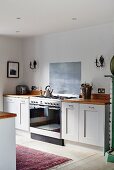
(10, 50)
(78, 45)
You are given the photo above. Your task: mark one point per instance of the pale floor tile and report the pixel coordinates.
(56, 149)
(82, 158)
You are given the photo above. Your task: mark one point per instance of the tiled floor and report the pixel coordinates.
(82, 158)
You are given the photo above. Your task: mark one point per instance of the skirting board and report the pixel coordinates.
(48, 139)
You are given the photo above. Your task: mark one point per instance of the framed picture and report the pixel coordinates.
(12, 69)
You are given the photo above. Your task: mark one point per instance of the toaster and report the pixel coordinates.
(22, 89)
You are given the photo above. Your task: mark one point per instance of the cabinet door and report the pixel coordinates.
(11, 105)
(70, 121)
(91, 124)
(20, 106)
(24, 114)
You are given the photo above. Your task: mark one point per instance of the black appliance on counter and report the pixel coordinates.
(45, 119)
(22, 89)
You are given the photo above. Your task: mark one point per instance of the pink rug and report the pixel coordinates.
(31, 159)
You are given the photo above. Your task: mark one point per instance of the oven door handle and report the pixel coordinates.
(38, 107)
(54, 108)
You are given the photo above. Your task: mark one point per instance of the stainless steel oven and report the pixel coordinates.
(45, 117)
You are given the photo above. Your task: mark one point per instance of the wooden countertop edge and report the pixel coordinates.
(4, 115)
(16, 95)
(82, 101)
(88, 101)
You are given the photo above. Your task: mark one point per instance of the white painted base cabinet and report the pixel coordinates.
(91, 124)
(86, 123)
(20, 106)
(70, 121)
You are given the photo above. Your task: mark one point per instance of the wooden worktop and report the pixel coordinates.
(4, 115)
(99, 99)
(88, 101)
(31, 93)
(24, 96)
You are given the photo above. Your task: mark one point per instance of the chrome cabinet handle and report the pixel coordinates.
(70, 106)
(54, 108)
(90, 107)
(20, 113)
(84, 124)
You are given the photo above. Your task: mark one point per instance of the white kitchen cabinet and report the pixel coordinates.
(20, 106)
(11, 105)
(70, 121)
(92, 124)
(86, 123)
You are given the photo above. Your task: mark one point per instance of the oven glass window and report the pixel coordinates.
(47, 118)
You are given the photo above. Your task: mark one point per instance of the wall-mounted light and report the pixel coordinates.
(100, 62)
(33, 64)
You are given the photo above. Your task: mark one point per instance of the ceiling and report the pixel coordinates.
(36, 17)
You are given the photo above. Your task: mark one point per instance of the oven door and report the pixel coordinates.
(45, 120)
(38, 113)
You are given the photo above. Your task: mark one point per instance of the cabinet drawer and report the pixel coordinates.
(91, 107)
(70, 105)
(8, 99)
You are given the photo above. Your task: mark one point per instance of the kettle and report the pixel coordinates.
(48, 91)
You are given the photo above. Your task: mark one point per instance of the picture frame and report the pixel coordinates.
(12, 69)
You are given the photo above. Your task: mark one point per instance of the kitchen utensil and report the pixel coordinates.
(48, 91)
(86, 90)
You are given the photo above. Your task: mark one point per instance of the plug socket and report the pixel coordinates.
(101, 90)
